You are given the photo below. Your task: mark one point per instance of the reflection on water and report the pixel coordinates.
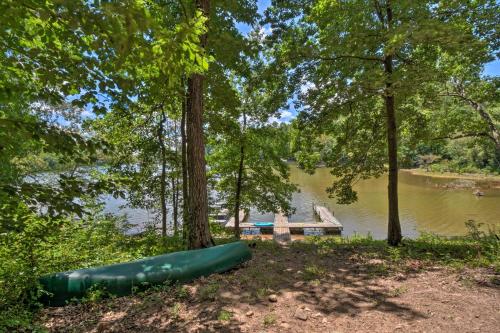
(250, 231)
(425, 205)
(136, 217)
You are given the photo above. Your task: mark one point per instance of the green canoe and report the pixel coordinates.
(122, 279)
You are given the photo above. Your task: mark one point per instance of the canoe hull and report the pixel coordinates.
(124, 278)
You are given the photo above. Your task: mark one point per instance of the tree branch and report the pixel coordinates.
(465, 135)
(351, 57)
(378, 11)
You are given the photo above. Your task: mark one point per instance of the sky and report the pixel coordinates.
(492, 68)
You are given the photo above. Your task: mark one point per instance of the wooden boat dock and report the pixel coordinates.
(282, 229)
(326, 217)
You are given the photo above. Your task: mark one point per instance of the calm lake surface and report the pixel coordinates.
(425, 205)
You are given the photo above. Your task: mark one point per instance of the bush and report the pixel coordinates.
(43, 246)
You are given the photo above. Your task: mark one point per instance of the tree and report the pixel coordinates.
(199, 233)
(246, 159)
(145, 141)
(226, 48)
(355, 59)
(49, 54)
(480, 95)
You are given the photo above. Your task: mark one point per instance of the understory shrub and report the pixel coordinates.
(43, 246)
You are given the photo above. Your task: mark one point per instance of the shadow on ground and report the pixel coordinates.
(312, 287)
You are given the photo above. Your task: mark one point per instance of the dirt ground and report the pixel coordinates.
(302, 288)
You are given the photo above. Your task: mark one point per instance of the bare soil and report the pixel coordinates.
(348, 289)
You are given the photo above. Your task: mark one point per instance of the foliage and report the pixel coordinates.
(87, 81)
(45, 246)
(139, 137)
(269, 319)
(335, 54)
(247, 152)
(224, 315)
(265, 184)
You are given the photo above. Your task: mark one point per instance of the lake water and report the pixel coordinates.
(426, 204)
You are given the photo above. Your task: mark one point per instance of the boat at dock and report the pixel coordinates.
(281, 228)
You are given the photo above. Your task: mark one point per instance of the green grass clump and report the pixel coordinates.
(224, 315)
(313, 272)
(175, 310)
(209, 292)
(269, 319)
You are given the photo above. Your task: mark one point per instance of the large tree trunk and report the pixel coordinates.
(163, 176)
(175, 204)
(199, 232)
(239, 180)
(184, 162)
(175, 182)
(394, 226)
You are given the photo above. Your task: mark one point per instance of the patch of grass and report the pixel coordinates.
(477, 249)
(259, 277)
(269, 319)
(315, 283)
(175, 310)
(224, 315)
(181, 292)
(398, 291)
(95, 294)
(18, 318)
(208, 292)
(313, 272)
(166, 286)
(262, 292)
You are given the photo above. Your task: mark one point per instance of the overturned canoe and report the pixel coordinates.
(122, 279)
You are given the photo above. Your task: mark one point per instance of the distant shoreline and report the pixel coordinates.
(492, 180)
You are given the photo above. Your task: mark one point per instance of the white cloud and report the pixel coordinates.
(285, 117)
(265, 30)
(87, 114)
(304, 88)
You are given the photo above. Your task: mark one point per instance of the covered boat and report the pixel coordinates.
(122, 279)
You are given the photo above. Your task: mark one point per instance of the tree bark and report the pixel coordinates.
(175, 182)
(199, 232)
(239, 179)
(175, 204)
(394, 226)
(163, 176)
(184, 165)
